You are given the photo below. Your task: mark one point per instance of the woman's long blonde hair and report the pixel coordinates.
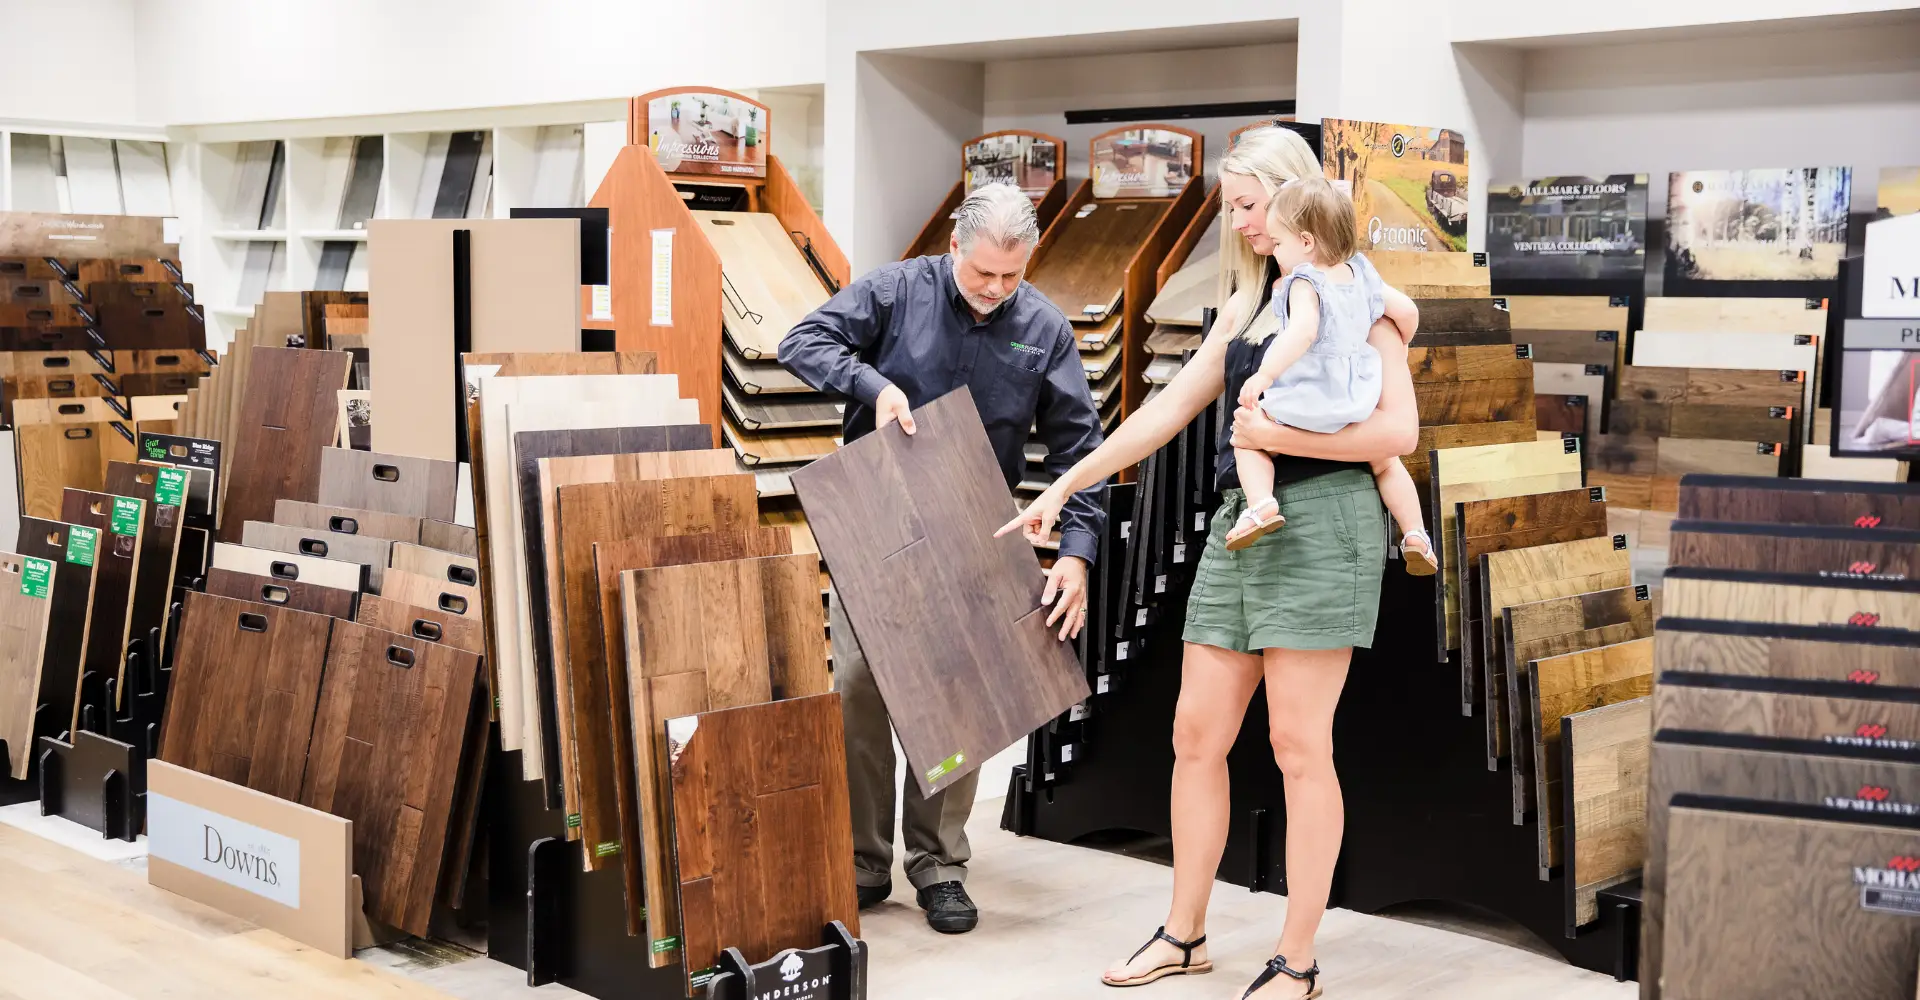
(1272, 156)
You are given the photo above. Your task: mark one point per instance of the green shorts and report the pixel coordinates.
(1312, 584)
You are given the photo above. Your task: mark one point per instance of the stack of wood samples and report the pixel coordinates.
(1189, 285)
(1571, 339)
(1758, 331)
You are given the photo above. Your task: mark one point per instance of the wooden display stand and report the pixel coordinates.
(644, 201)
(935, 236)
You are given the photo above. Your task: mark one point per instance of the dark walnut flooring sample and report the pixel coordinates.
(1833, 907)
(1752, 706)
(1464, 315)
(73, 581)
(948, 616)
(1806, 549)
(159, 541)
(1566, 414)
(740, 774)
(1561, 686)
(388, 734)
(757, 413)
(601, 512)
(1799, 501)
(334, 602)
(286, 419)
(1701, 420)
(701, 637)
(110, 621)
(1874, 787)
(398, 484)
(246, 678)
(26, 604)
(1086, 264)
(348, 520)
(1578, 347)
(610, 561)
(1555, 627)
(1847, 654)
(1604, 762)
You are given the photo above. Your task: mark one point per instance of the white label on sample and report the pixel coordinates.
(242, 855)
(1120, 651)
(662, 277)
(602, 302)
(1066, 754)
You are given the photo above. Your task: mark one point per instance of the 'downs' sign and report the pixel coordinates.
(220, 847)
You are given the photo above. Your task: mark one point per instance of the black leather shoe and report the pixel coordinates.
(873, 895)
(949, 909)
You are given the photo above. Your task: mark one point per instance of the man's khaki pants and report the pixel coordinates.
(934, 829)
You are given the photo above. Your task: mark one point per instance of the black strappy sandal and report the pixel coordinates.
(1187, 966)
(1276, 967)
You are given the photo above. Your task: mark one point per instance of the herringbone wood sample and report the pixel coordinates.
(348, 520)
(397, 484)
(701, 637)
(361, 550)
(1805, 549)
(902, 522)
(25, 611)
(73, 583)
(610, 561)
(1086, 264)
(1739, 597)
(596, 512)
(738, 773)
(331, 601)
(1561, 686)
(388, 732)
(285, 421)
(110, 621)
(1606, 750)
(1874, 787)
(1484, 473)
(1844, 654)
(246, 678)
(768, 286)
(1810, 920)
(159, 545)
(1799, 501)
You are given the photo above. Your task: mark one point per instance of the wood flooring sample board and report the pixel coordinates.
(949, 616)
(1736, 596)
(1561, 686)
(162, 491)
(27, 586)
(388, 732)
(285, 420)
(74, 572)
(1799, 501)
(1834, 913)
(1745, 315)
(739, 774)
(769, 287)
(1694, 766)
(1886, 658)
(1799, 549)
(359, 550)
(246, 678)
(1085, 266)
(525, 296)
(397, 484)
(120, 522)
(1604, 766)
(335, 602)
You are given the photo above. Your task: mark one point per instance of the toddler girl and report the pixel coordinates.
(1319, 374)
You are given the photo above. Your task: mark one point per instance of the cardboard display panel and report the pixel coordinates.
(1604, 768)
(737, 772)
(906, 524)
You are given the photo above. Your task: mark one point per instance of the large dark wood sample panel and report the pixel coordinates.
(948, 616)
(1471, 384)
(335, 602)
(159, 542)
(1787, 905)
(1086, 263)
(1813, 550)
(1799, 501)
(1695, 765)
(73, 582)
(110, 619)
(388, 733)
(246, 678)
(288, 416)
(740, 774)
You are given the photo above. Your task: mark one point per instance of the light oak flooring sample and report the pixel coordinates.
(1746, 315)
(1724, 595)
(766, 284)
(1747, 706)
(760, 377)
(289, 566)
(1085, 266)
(428, 592)
(26, 606)
(1606, 748)
(1566, 684)
(780, 447)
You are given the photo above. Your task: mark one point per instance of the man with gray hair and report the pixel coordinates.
(902, 336)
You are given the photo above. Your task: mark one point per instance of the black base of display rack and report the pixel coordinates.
(1426, 820)
(96, 782)
(837, 970)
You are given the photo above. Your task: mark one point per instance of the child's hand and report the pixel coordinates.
(1250, 393)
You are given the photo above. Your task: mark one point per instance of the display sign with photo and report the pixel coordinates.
(707, 132)
(1027, 160)
(1756, 225)
(1874, 413)
(1408, 182)
(1569, 228)
(1899, 192)
(1143, 162)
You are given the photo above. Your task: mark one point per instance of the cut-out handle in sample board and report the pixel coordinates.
(167, 359)
(272, 594)
(40, 315)
(30, 292)
(133, 269)
(284, 571)
(463, 575)
(400, 656)
(424, 629)
(56, 361)
(156, 313)
(253, 622)
(313, 547)
(386, 473)
(343, 525)
(72, 409)
(176, 451)
(453, 604)
(60, 385)
(96, 507)
(79, 433)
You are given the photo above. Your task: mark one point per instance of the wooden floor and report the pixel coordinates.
(1052, 916)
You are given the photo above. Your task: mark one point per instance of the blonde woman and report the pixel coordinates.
(1288, 609)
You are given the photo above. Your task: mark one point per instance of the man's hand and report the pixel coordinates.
(1250, 392)
(1067, 592)
(892, 406)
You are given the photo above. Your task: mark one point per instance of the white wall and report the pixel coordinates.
(1491, 20)
(68, 62)
(206, 61)
(1835, 97)
(915, 113)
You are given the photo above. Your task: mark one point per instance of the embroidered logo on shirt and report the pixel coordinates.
(1027, 348)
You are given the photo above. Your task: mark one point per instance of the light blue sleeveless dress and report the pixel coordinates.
(1337, 382)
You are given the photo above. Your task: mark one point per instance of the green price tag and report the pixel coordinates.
(573, 821)
(82, 543)
(665, 945)
(940, 770)
(36, 578)
(606, 848)
(126, 516)
(170, 487)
